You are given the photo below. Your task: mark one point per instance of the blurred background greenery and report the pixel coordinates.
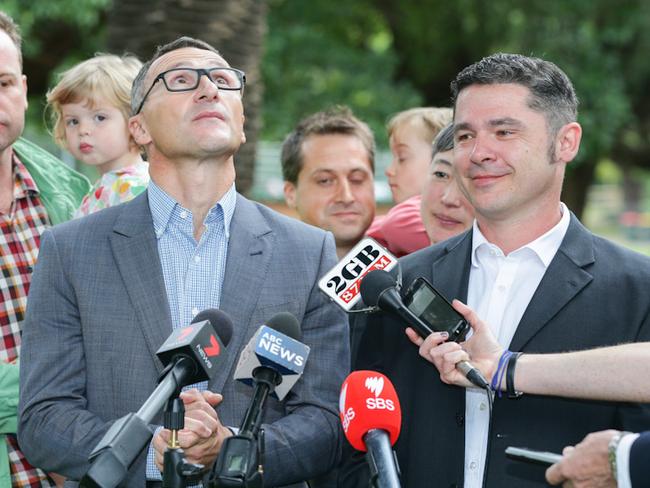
(380, 57)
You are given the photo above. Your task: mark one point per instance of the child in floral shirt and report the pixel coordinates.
(90, 107)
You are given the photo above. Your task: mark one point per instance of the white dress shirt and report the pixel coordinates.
(500, 289)
(623, 460)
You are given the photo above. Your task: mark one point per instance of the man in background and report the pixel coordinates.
(36, 191)
(328, 165)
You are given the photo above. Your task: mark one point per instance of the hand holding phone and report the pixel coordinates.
(423, 300)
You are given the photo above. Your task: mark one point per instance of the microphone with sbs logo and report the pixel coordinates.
(371, 416)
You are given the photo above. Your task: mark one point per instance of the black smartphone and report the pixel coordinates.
(532, 456)
(423, 300)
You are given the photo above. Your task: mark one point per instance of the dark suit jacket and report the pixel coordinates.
(98, 312)
(640, 461)
(594, 293)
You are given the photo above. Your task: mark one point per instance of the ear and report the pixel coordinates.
(567, 142)
(243, 132)
(24, 80)
(138, 130)
(290, 194)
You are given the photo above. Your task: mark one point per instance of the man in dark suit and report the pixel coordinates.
(109, 288)
(529, 268)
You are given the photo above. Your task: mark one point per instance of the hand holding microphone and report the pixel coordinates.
(371, 416)
(378, 288)
(481, 347)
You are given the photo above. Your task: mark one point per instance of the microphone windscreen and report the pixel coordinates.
(219, 320)
(374, 284)
(285, 323)
(368, 401)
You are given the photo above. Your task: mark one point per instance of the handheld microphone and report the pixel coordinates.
(378, 288)
(272, 362)
(371, 416)
(190, 354)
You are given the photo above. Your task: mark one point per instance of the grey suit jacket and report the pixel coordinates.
(98, 312)
(594, 293)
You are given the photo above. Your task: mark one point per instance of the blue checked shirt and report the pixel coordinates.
(193, 271)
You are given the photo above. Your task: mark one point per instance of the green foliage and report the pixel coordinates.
(328, 53)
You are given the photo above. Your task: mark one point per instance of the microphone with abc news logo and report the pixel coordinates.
(272, 362)
(190, 354)
(371, 416)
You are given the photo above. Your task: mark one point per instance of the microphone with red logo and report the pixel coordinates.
(190, 354)
(371, 417)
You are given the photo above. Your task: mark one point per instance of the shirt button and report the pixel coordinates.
(195, 311)
(472, 465)
(197, 259)
(183, 214)
(501, 287)
(482, 406)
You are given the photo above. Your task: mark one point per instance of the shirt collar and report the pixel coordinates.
(545, 246)
(162, 207)
(24, 183)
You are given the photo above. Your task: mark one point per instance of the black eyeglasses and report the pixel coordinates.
(187, 79)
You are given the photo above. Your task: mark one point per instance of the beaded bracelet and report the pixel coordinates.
(498, 374)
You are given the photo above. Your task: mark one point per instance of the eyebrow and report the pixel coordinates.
(509, 121)
(441, 161)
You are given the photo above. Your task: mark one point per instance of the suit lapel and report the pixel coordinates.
(249, 255)
(563, 280)
(136, 254)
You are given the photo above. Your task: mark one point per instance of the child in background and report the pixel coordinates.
(90, 107)
(411, 134)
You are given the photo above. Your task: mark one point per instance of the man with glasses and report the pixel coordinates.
(109, 289)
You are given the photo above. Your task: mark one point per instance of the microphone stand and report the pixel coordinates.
(176, 469)
(241, 461)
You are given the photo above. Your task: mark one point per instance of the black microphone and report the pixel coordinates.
(272, 362)
(378, 289)
(190, 354)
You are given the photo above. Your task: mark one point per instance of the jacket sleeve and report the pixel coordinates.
(55, 429)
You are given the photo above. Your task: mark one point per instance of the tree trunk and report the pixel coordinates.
(576, 186)
(235, 27)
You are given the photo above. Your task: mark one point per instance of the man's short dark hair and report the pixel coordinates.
(138, 89)
(444, 141)
(551, 90)
(335, 120)
(9, 27)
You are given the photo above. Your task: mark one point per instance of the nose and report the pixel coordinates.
(452, 196)
(481, 150)
(84, 127)
(390, 170)
(207, 88)
(344, 193)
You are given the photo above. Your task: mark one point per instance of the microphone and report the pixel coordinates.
(378, 289)
(272, 362)
(341, 283)
(371, 416)
(190, 354)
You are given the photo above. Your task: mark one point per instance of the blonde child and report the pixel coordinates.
(90, 108)
(410, 133)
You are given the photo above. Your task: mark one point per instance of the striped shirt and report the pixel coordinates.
(20, 235)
